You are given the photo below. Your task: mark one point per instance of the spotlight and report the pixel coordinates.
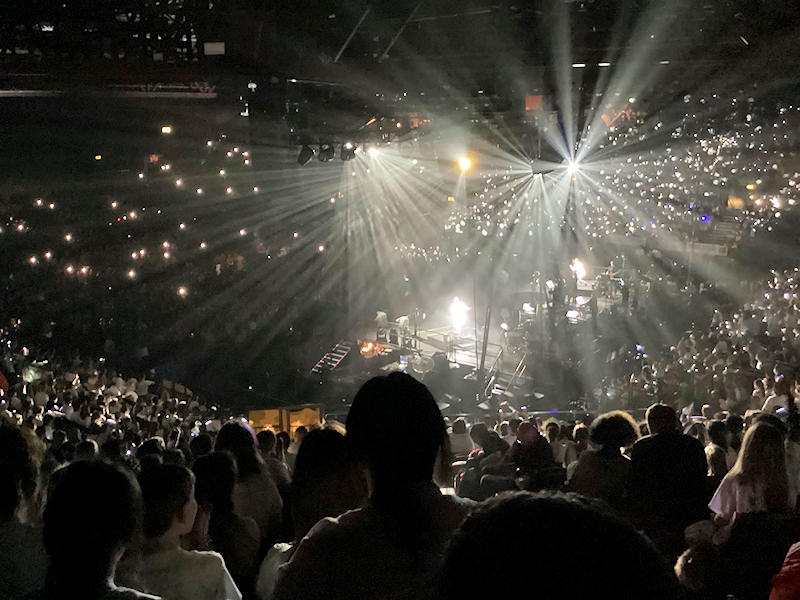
(326, 152)
(166, 130)
(458, 315)
(573, 167)
(306, 154)
(464, 163)
(348, 151)
(373, 151)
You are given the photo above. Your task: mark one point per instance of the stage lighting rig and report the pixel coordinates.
(326, 152)
(306, 154)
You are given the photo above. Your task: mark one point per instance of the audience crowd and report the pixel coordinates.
(111, 490)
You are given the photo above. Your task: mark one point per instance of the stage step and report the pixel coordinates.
(333, 358)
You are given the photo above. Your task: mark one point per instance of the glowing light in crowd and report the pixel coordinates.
(165, 244)
(465, 163)
(255, 189)
(182, 226)
(166, 129)
(51, 206)
(178, 182)
(577, 267)
(243, 232)
(68, 237)
(373, 151)
(48, 255)
(21, 227)
(142, 252)
(209, 143)
(229, 190)
(39, 202)
(131, 274)
(141, 175)
(183, 291)
(33, 260)
(167, 255)
(84, 270)
(70, 269)
(134, 255)
(199, 191)
(98, 157)
(458, 314)
(203, 245)
(222, 171)
(296, 234)
(321, 248)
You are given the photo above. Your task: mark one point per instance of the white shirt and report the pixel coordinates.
(277, 556)
(180, 574)
(733, 498)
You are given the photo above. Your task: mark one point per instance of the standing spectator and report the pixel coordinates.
(217, 526)
(758, 482)
(390, 548)
(666, 483)
(166, 568)
(24, 557)
(602, 473)
(255, 494)
(291, 451)
(326, 483)
(85, 540)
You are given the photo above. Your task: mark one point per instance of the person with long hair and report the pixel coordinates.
(217, 526)
(255, 494)
(326, 483)
(758, 482)
(392, 547)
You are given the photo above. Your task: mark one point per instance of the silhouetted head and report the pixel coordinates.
(610, 559)
(395, 428)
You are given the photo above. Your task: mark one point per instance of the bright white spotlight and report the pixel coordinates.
(458, 314)
(373, 151)
(573, 167)
(464, 163)
(577, 267)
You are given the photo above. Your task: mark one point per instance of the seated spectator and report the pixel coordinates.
(758, 482)
(217, 526)
(21, 546)
(391, 547)
(326, 483)
(255, 494)
(167, 569)
(85, 539)
(666, 488)
(460, 442)
(603, 473)
(611, 561)
(717, 451)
